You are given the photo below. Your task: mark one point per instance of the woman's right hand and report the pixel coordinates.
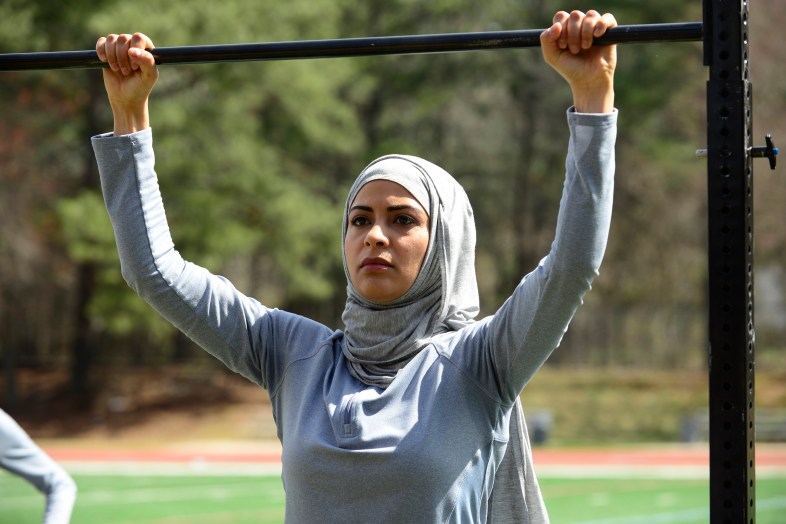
(129, 79)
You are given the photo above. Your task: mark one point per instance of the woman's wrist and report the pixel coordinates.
(130, 120)
(599, 99)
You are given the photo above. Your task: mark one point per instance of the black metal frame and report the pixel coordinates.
(724, 31)
(730, 259)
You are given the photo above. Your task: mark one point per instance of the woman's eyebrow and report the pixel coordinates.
(404, 207)
(399, 207)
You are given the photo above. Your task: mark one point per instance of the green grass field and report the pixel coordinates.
(203, 499)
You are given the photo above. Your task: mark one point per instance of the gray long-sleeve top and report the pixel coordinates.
(426, 448)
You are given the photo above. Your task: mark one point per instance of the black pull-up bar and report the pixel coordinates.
(349, 47)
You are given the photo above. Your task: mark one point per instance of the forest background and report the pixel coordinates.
(255, 160)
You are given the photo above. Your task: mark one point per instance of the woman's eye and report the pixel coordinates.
(405, 220)
(359, 221)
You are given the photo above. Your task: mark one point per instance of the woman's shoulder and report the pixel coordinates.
(294, 326)
(471, 336)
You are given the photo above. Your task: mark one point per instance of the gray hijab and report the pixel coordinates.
(444, 296)
(380, 339)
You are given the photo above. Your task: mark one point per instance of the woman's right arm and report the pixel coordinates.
(249, 338)
(206, 307)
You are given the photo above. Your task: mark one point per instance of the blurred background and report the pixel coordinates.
(255, 159)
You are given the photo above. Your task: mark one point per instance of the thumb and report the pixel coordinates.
(551, 34)
(548, 41)
(143, 59)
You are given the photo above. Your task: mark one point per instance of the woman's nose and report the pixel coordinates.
(376, 236)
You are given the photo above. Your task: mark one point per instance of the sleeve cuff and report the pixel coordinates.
(109, 138)
(592, 119)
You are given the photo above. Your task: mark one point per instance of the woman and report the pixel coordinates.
(405, 414)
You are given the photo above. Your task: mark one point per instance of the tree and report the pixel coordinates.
(43, 167)
(255, 159)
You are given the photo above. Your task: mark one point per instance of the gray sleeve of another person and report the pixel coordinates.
(21, 456)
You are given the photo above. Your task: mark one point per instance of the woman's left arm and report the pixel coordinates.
(532, 322)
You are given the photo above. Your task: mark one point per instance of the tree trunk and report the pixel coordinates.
(85, 282)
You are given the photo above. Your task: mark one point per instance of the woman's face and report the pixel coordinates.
(386, 241)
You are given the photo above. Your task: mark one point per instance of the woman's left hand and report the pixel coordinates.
(589, 69)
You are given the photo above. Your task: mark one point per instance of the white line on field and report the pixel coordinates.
(197, 468)
(685, 515)
(641, 472)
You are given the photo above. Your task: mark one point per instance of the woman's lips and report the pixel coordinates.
(375, 264)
